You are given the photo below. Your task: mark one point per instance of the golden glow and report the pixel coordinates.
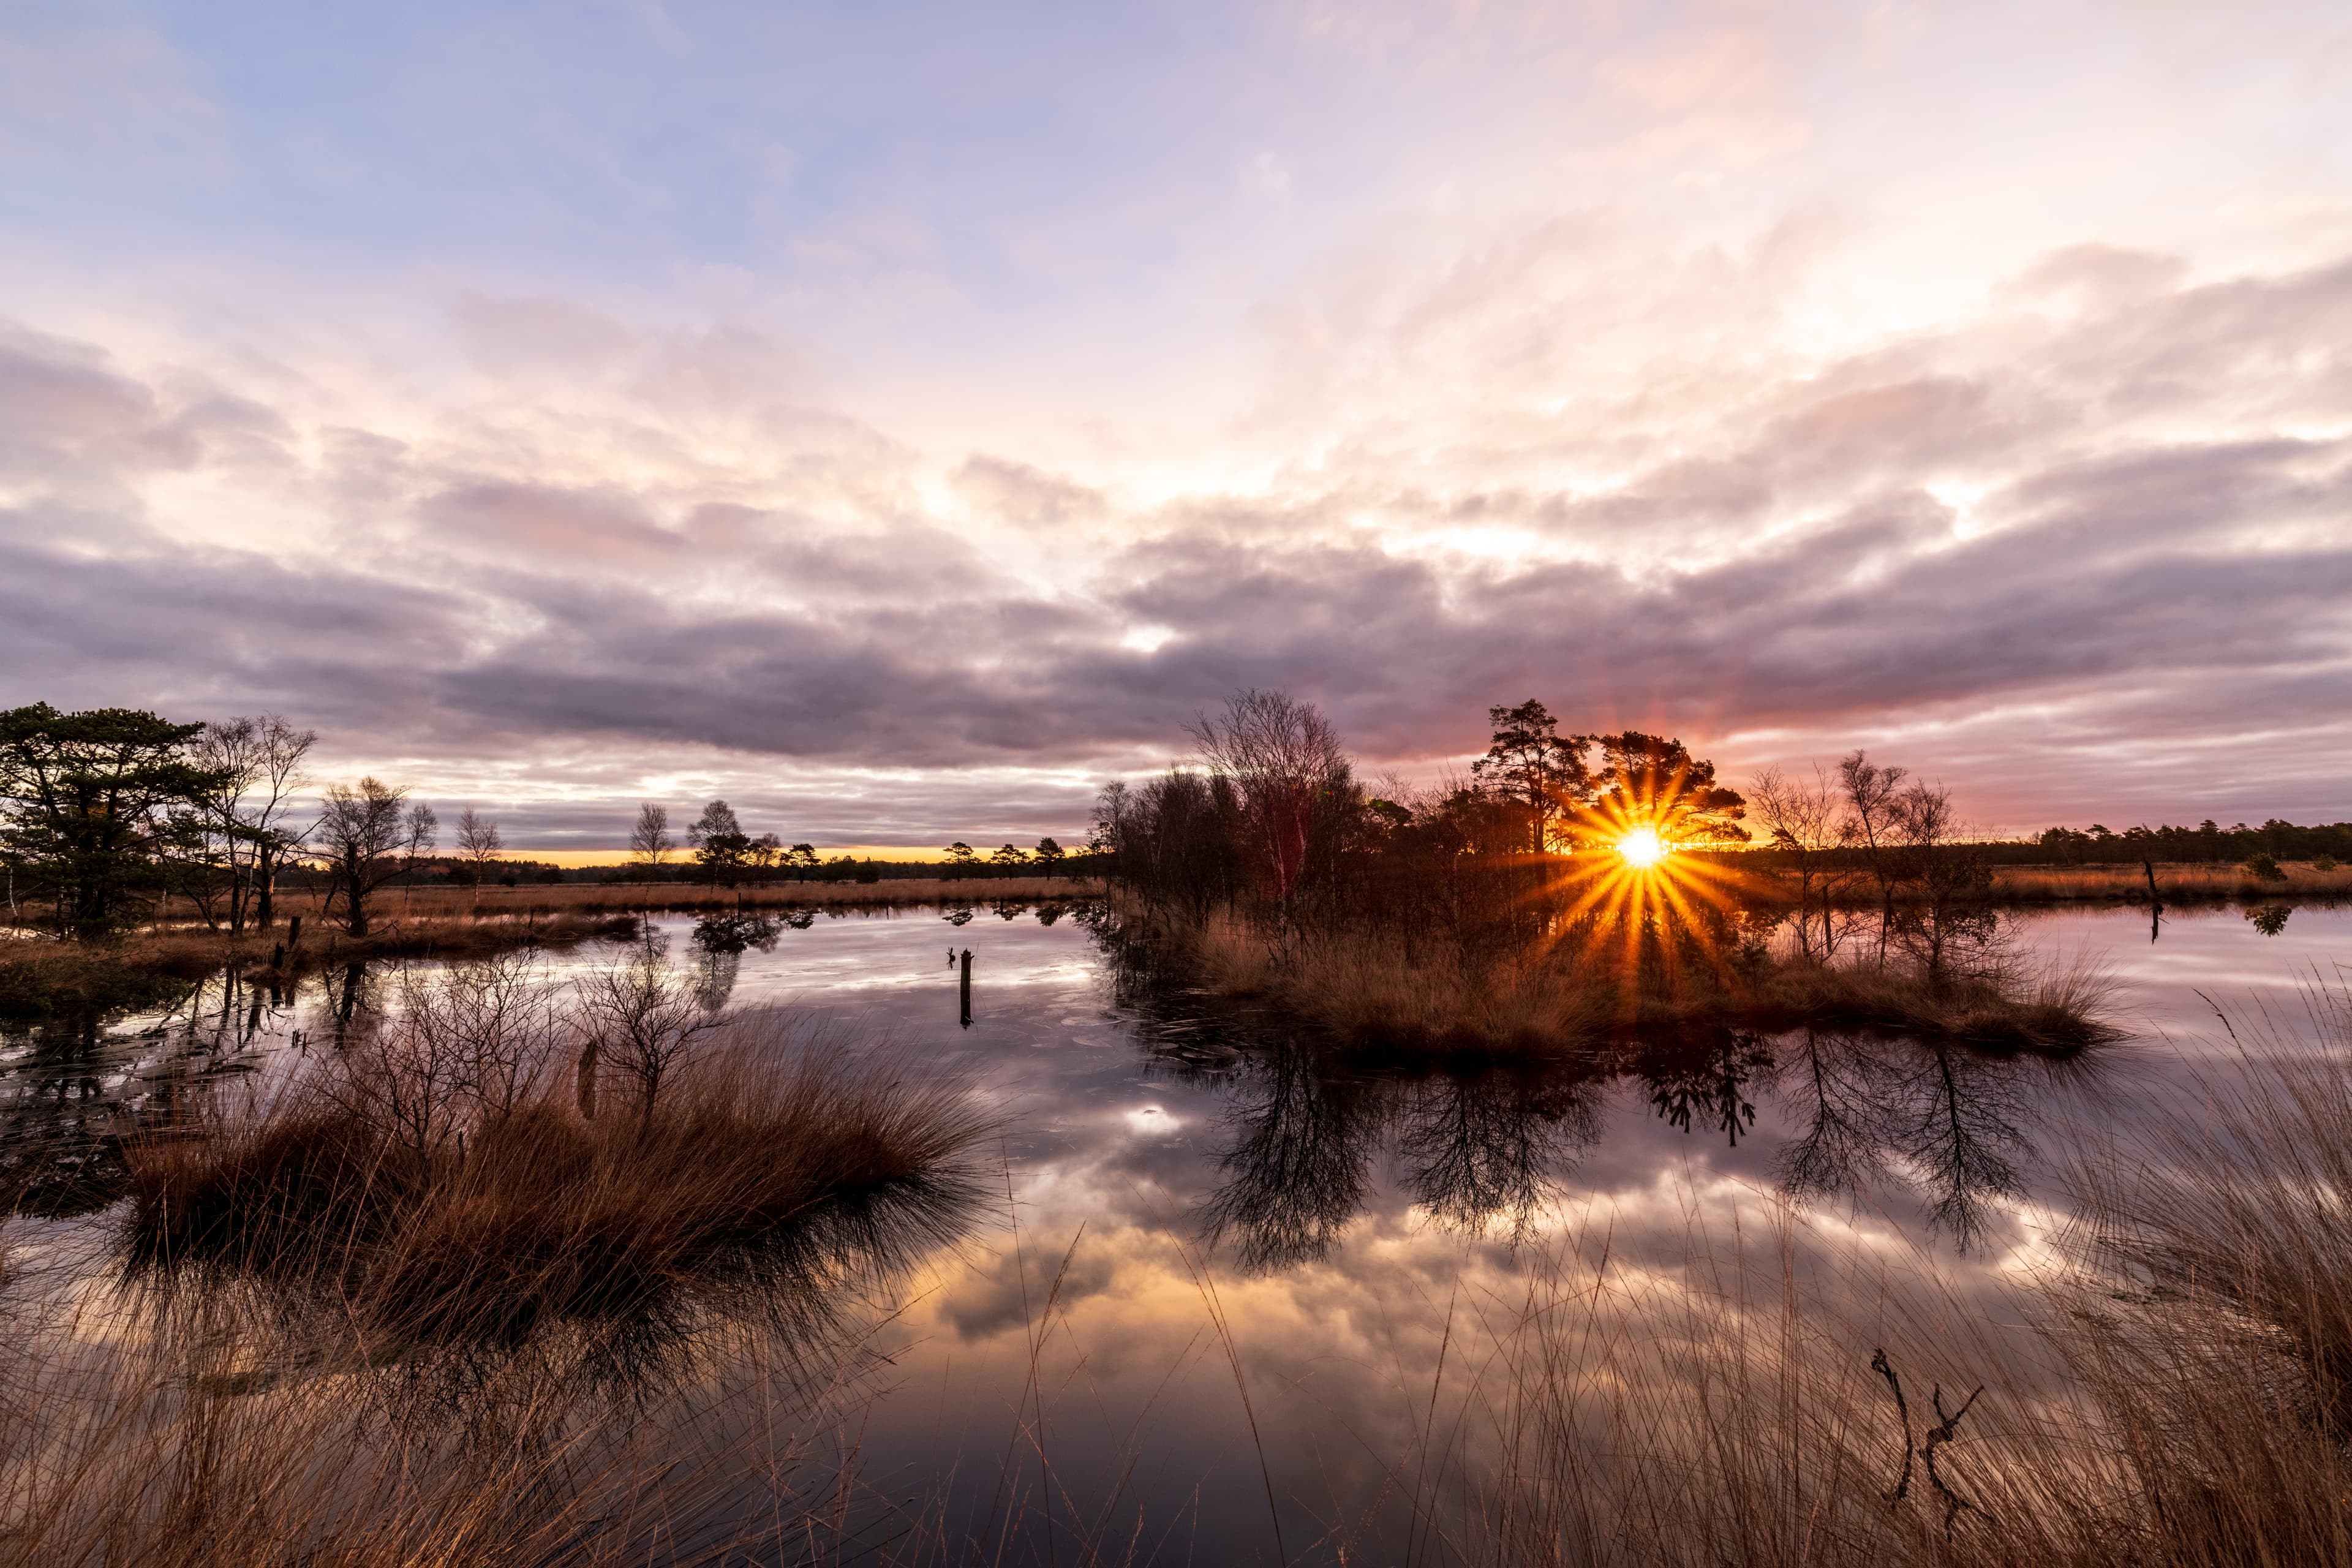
(1642, 848)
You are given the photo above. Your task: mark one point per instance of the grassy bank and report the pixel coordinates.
(1764, 878)
(1370, 990)
(42, 979)
(2174, 883)
(543, 900)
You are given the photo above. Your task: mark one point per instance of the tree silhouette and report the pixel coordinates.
(1530, 763)
(720, 845)
(1648, 780)
(368, 840)
(90, 802)
(650, 843)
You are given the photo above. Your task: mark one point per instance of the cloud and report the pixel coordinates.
(2030, 547)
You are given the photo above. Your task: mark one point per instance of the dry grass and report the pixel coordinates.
(2179, 1399)
(417, 1305)
(540, 900)
(761, 1163)
(1374, 990)
(2065, 884)
(41, 978)
(1377, 990)
(208, 1436)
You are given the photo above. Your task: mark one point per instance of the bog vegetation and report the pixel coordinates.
(414, 1298)
(1561, 893)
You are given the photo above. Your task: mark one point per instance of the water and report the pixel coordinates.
(1161, 1175)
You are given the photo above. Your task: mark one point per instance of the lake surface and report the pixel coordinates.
(1174, 1170)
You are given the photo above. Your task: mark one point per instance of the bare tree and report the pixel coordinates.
(420, 830)
(1870, 798)
(642, 1023)
(650, 844)
(479, 846)
(268, 815)
(1281, 757)
(1950, 875)
(369, 840)
(466, 1046)
(259, 758)
(1805, 820)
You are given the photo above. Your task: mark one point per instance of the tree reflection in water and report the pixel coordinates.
(1298, 1165)
(1948, 1123)
(1861, 1113)
(1863, 1116)
(1471, 1149)
(1703, 1083)
(719, 942)
(1493, 1145)
(72, 1091)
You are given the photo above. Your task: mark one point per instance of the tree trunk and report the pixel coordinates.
(355, 915)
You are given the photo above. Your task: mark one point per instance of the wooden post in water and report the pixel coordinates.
(2149, 867)
(967, 988)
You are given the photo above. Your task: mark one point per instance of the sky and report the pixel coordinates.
(900, 419)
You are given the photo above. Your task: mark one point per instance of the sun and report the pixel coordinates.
(1643, 848)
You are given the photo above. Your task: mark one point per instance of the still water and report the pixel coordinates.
(1163, 1171)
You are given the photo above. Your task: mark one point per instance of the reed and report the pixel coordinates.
(2180, 1398)
(2176, 883)
(764, 1163)
(1376, 989)
(432, 1298)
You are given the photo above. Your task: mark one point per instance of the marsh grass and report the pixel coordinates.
(2174, 882)
(764, 1167)
(543, 900)
(1376, 990)
(2180, 1397)
(414, 1303)
(42, 979)
(203, 1436)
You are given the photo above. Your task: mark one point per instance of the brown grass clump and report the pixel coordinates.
(437, 1299)
(1374, 990)
(2003, 1008)
(761, 1166)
